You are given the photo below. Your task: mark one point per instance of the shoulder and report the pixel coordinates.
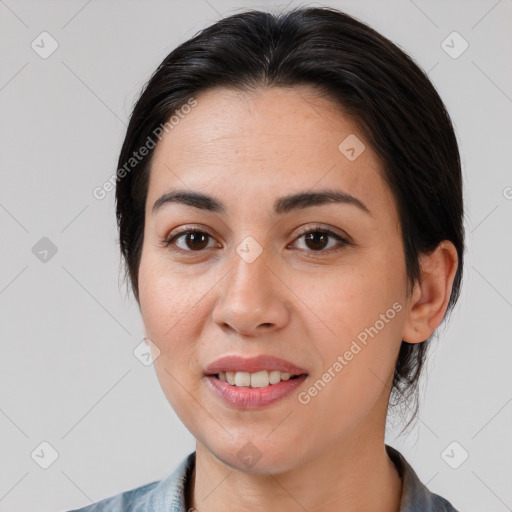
(127, 501)
(415, 495)
(441, 504)
(167, 495)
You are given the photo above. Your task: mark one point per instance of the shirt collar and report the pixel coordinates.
(169, 494)
(415, 496)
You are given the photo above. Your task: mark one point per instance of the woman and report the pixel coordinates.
(289, 203)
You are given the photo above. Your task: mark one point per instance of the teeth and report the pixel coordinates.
(274, 376)
(259, 379)
(256, 380)
(242, 379)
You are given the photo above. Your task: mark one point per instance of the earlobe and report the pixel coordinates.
(430, 296)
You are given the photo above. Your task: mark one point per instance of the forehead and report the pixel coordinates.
(270, 141)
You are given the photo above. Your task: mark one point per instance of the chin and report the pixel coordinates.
(256, 455)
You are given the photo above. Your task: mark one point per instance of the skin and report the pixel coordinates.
(294, 302)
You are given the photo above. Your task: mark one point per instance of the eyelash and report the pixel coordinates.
(169, 242)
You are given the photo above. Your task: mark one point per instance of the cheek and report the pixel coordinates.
(173, 312)
(169, 300)
(361, 323)
(171, 309)
(351, 299)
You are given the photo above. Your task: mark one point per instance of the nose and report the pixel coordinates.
(252, 298)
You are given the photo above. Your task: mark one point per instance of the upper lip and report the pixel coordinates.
(234, 363)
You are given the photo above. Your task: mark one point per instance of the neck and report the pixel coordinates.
(356, 475)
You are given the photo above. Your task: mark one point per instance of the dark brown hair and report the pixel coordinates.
(389, 97)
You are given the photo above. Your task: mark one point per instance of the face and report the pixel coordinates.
(320, 284)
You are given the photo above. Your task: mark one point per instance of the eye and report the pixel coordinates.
(194, 240)
(317, 238)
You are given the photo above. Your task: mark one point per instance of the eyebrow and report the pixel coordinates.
(282, 205)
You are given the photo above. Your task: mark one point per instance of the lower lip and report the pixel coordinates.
(253, 398)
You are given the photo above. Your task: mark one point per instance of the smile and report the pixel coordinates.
(260, 379)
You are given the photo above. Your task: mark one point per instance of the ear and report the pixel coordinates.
(429, 299)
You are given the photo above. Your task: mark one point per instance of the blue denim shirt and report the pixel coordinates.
(168, 495)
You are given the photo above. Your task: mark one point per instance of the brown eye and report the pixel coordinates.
(192, 240)
(318, 239)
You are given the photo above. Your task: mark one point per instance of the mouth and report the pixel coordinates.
(255, 372)
(260, 379)
(252, 383)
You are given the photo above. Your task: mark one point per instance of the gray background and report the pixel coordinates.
(68, 375)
